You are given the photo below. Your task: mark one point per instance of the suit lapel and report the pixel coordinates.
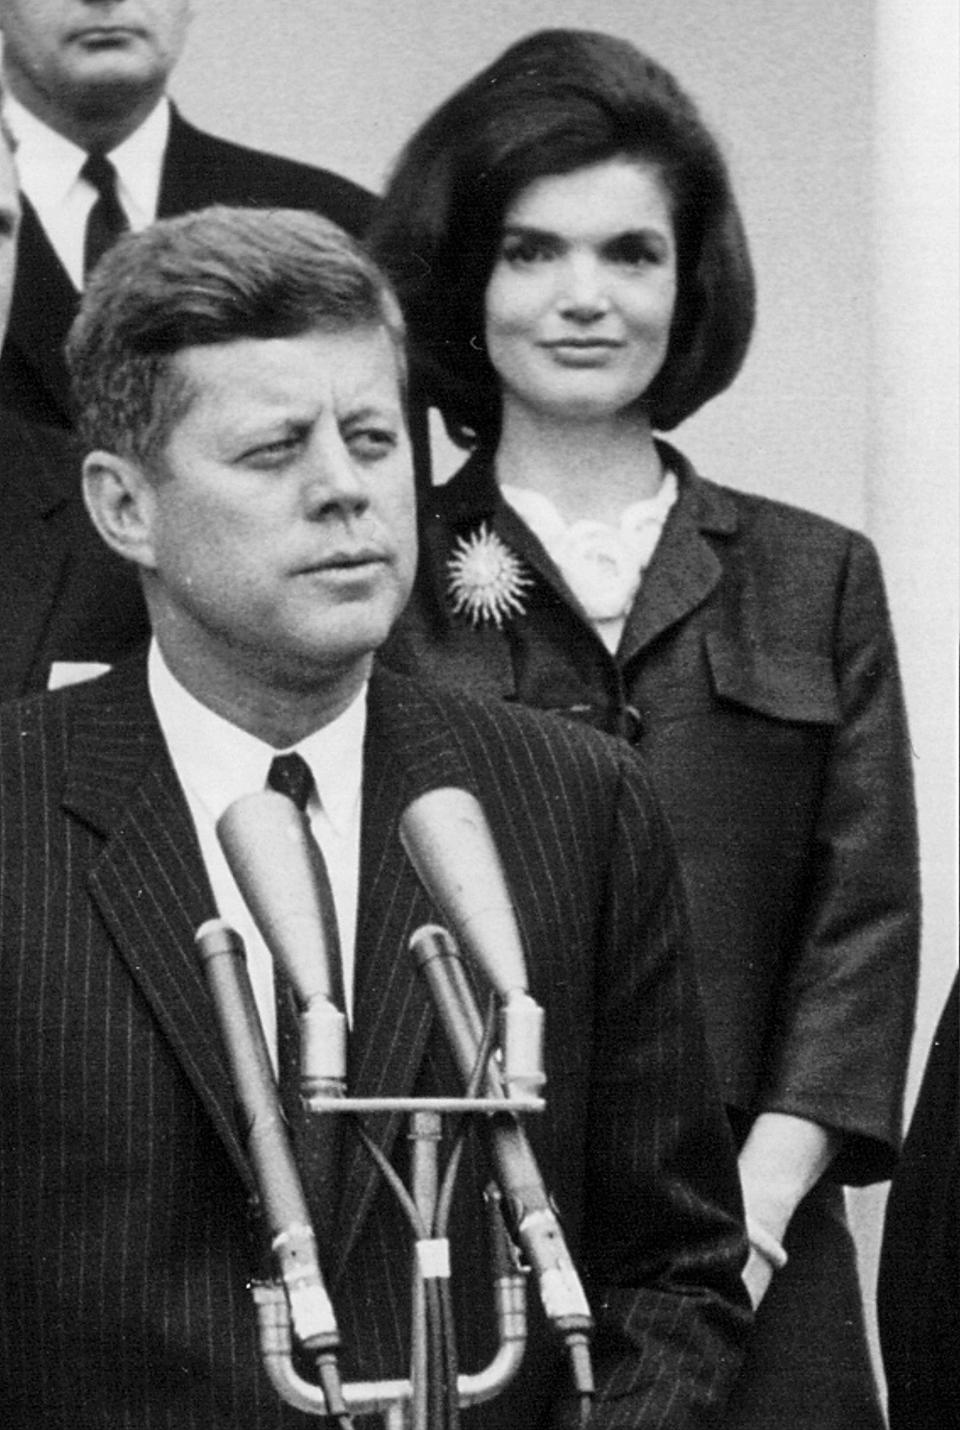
(33, 564)
(150, 889)
(178, 193)
(685, 568)
(149, 883)
(44, 305)
(408, 750)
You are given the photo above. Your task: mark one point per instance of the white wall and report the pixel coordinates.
(840, 124)
(786, 84)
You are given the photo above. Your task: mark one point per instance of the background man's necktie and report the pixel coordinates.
(316, 1138)
(106, 220)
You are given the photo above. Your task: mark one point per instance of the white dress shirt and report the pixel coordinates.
(216, 763)
(48, 167)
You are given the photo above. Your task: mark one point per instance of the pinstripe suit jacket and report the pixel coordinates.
(127, 1204)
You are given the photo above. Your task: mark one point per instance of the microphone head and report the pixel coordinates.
(277, 867)
(448, 840)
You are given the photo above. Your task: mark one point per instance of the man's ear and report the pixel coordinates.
(122, 505)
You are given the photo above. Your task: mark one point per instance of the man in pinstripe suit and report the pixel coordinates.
(240, 379)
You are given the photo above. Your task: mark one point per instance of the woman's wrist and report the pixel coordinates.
(782, 1158)
(766, 1245)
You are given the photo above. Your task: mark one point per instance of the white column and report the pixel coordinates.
(912, 495)
(914, 475)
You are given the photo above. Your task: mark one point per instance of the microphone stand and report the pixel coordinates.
(406, 1403)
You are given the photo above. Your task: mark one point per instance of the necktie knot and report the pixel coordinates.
(291, 775)
(99, 171)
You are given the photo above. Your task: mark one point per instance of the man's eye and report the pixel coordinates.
(370, 444)
(271, 454)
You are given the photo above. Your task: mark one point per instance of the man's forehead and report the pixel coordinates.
(321, 366)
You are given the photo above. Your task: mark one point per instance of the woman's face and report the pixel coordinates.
(581, 298)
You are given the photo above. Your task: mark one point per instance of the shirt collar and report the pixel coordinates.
(45, 158)
(139, 159)
(220, 762)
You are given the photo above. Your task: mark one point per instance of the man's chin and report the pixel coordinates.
(312, 672)
(104, 80)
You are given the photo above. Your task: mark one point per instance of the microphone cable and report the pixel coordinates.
(433, 1321)
(442, 1216)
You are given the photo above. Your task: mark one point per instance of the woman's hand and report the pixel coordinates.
(782, 1158)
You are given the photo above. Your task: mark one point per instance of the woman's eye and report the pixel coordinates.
(526, 248)
(634, 250)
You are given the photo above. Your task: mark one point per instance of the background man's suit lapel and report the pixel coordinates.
(149, 882)
(44, 305)
(183, 184)
(32, 563)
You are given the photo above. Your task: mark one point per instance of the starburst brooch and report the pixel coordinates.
(486, 581)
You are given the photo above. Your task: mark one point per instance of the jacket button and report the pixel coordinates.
(632, 724)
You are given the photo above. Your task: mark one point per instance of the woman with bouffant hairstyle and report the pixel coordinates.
(568, 251)
(558, 102)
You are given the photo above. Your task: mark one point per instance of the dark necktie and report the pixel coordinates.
(316, 1137)
(106, 220)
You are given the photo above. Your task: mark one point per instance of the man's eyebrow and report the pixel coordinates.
(373, 410)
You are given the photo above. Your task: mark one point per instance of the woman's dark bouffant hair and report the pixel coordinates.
(554, 102)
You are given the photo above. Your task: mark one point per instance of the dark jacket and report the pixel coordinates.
(125, 1190)
(198, 169)
(63, 595)
(758, 678)
(918, 1294)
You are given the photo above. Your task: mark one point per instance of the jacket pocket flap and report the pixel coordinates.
(795, 686)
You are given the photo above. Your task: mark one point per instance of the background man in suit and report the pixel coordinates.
(67, 601)
(239, 380)
(86, 83)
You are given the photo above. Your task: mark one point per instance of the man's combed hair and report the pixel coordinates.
(557, 101)
(214, 276)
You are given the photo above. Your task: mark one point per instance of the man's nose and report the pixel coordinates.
(332, 481)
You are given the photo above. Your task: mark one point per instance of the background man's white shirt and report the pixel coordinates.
(48, 167)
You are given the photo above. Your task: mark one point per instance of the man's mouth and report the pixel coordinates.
(105, 36)
(345, 560)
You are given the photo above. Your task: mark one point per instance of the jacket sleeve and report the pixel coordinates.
(663, 1245)
(846, 1011)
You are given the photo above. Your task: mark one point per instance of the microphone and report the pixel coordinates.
(279, 870)
(284, 1206)
(448, 841)
(527, 1202)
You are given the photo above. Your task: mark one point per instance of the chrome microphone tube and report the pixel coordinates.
(527, 1204)
(278, 1181)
